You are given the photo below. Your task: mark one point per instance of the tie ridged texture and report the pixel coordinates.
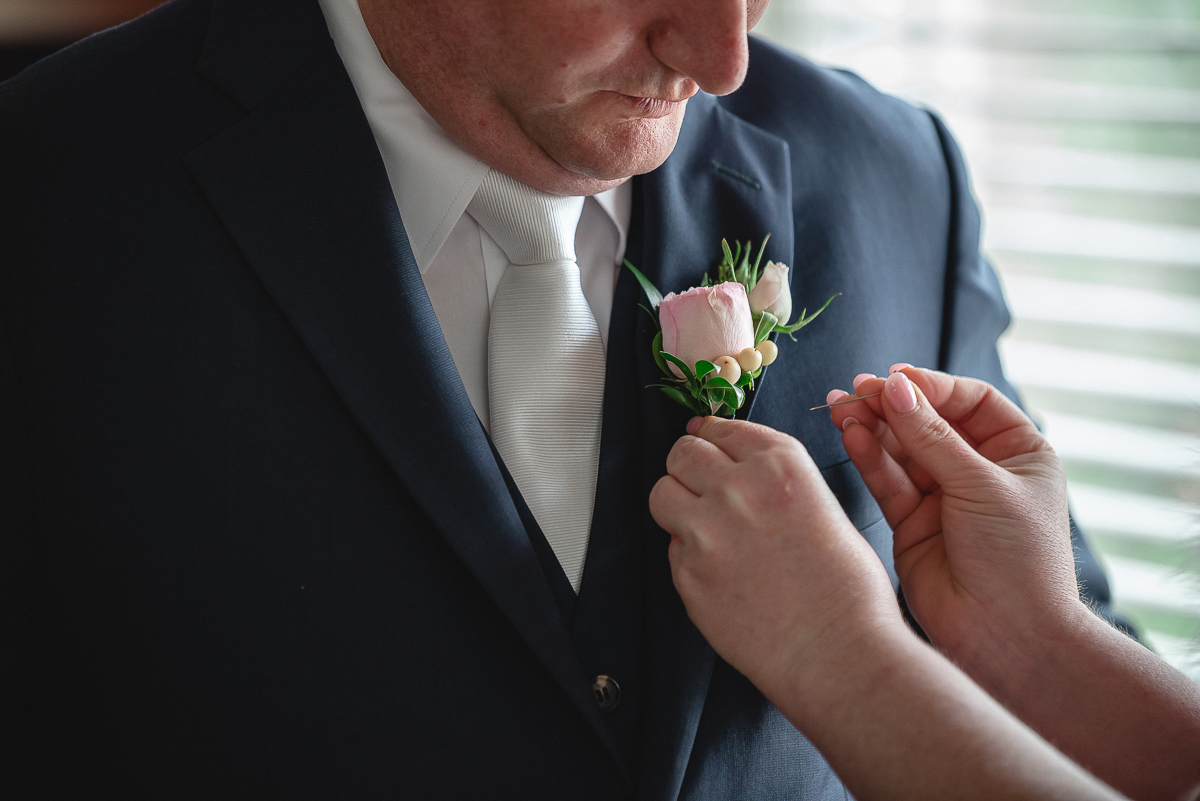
(545, 362)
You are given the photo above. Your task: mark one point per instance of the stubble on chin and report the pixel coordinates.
(604, 156)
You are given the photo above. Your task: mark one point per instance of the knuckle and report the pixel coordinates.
(682, 455)
(657, 493)
(933, 430)
(783, 475)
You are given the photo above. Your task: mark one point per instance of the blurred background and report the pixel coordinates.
(1080, 120)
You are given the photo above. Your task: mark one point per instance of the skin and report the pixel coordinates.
(774, 575)
(994, 475)
(568, 96)
(976, 497)
(784, 588)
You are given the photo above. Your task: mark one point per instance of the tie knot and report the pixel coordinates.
(530, 226)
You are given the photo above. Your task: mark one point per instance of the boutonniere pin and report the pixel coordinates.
(713, 341)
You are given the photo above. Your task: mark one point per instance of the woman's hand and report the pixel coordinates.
(771, 570)
(976, 498)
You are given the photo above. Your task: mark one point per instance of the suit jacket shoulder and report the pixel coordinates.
(124, 60)
(92, 132)
(835, 117)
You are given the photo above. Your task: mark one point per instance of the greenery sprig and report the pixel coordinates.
(719, 388)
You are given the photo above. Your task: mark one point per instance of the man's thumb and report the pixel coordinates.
(924, 434)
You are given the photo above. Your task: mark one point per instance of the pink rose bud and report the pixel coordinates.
(706, 323)
(772, 293)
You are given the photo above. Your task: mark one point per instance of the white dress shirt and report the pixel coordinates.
(434, 180)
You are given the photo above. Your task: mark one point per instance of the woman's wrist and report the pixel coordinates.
(1006, 652)
(847, 664)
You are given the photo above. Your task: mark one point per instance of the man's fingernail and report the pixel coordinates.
(899, 392)
(898, 366)
(861, 377)
(850, 421)
(694, 425)
(836, 395)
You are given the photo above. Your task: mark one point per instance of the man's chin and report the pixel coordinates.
(634, 148)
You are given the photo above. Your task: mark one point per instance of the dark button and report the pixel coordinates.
(607, 692)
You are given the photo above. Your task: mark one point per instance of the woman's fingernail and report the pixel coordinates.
(899, 392)
(836, 395)
(694, 425)
(850, 421)
(861, 377)
(898, 366)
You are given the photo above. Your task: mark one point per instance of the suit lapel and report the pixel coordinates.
(725, 179)
(301, 187)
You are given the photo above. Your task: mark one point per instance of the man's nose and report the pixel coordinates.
(704, 40)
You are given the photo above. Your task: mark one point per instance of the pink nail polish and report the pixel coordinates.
(861, 377)
(694, 425)
(850, 421)
(899, 393)
(836, 395)
(898, 366)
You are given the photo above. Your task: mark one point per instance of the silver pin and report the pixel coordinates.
(848, 400)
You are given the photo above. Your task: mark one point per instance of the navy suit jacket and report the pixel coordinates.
(255, 542)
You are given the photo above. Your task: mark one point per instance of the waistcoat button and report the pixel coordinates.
(607, 692)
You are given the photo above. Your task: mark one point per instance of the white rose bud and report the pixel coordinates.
(772, 293)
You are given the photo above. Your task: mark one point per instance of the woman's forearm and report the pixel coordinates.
(897, 721)
(1100, 697)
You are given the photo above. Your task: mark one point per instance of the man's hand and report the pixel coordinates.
(771, 570)
(975, 495)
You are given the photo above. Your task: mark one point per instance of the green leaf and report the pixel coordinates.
(681, 364)
(804, 320)
(757, 271)
(703, 368)
(739, 396)
(743, 270)
(745, 380)
(652, 294)
(767, 323)
(656, 350)
(725, 270)
(721, 390)
(677, 396)
(722, 402)
(652, 312)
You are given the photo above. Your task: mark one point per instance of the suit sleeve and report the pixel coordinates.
(975, 317)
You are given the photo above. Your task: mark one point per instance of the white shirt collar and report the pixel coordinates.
(416, 151)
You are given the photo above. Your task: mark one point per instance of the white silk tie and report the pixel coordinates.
(545, 362)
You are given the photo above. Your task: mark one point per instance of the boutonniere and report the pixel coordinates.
(713, 341)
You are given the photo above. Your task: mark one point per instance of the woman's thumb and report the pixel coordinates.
(924, 434)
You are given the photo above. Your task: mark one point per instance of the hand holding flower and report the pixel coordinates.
(769, 566)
